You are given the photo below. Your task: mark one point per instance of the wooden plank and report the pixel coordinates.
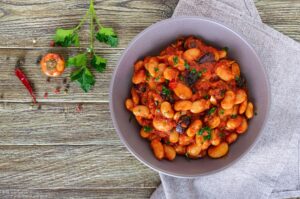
(22, 22)
(283, 15)
(11, 89)
(56, 124)
(72, 167)
(95, 159)
(112, 193)
(25, 21)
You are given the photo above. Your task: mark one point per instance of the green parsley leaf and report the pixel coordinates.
(82, 75)
(87, 80)
(156, 69)
(206, 97)
(75, 75)
(204, 70)
(200, 74)
(99, 63)
(234, 116)
(222, 92)
(186, 65)
(77, 61)
(225, 49)
(66, 38)
(240, 81)
(222, 135)
(108, 36)
(212, 110)
(157, 78)
(204, 129)
(181, 77)
(175, 60)
(207, 137)
(222, 112)
(168, 142)
(193, 71)
(165, 91)
(147, 129)
(186, 155)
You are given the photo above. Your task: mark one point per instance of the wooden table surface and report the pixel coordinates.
(57, 152)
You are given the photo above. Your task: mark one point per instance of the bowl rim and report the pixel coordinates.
(148, 163)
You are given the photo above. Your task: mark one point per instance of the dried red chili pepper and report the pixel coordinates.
(22, 77)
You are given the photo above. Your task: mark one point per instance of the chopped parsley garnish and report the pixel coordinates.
(206, 97)
(225, 49)
(193, 71)
(208, 131)
(207, 137)
(147, 74)
(175, 60)
(222, 135)
(156, 69)
(204, 129)
(165, 91)
(234, 116)
(186, 155)
(204, 70)
(168, 142)
(222, 92)
(200, 74)
(240, 81)
(186, 65)
(181, 77)
(222, 111)
(212, 110)
(147, 129)
(157, 78)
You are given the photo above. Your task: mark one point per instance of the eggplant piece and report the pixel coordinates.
(183, 123)
(140, 88)
(191, 78)
(208, 57)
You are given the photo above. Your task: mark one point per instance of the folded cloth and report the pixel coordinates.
(256, 175)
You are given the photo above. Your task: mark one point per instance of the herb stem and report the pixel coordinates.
(98, 21)
(82, 21)
(92, 28)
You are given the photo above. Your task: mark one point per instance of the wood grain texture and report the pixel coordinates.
(24, 21)
(76, 167)
(57, 152)
(111, 193)
(283, 15)
(57, 124)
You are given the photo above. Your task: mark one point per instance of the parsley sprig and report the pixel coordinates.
(81, 62)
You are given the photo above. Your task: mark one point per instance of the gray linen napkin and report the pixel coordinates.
(256, 175)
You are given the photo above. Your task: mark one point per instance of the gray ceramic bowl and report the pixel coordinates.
(150, 42)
